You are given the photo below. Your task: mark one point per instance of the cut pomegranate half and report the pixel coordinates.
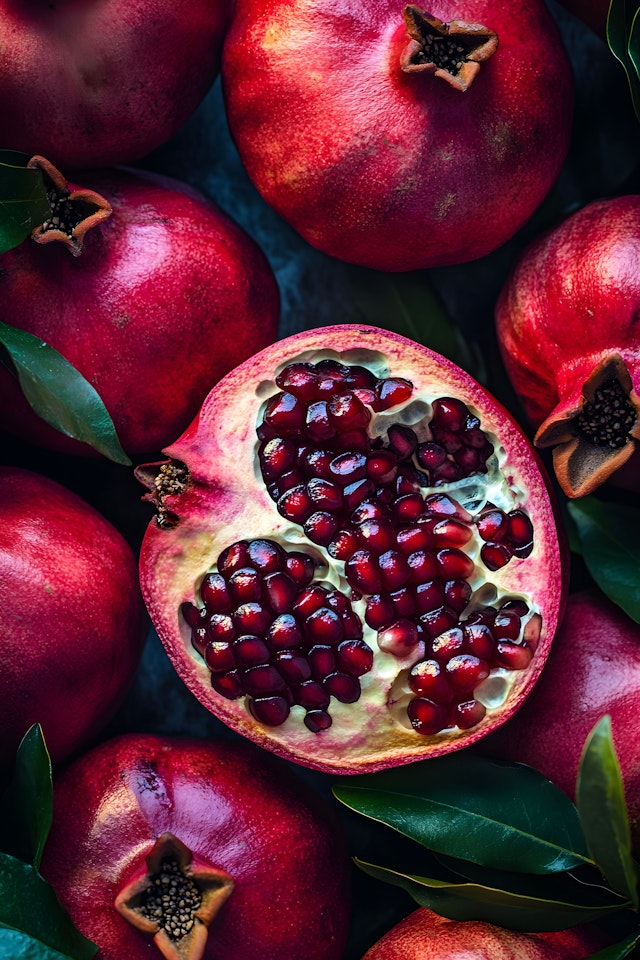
(358, 564)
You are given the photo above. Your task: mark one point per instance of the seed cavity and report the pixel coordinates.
(607, 418)
(171, 899)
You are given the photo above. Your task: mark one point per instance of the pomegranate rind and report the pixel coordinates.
(226, 500)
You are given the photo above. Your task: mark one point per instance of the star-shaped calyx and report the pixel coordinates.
(452, 51)
(593, 438)
(175, 899)
(73, 211)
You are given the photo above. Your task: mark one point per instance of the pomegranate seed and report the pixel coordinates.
(342, 686)
(321, 527)
(317, 425)
(457, 594)
(348, 467)
(287, 482)
(280, 592)
(251, 618)
(439, 505)
(355, 493)
(495, 555)
(427, 679)
(322, 661)
(355, 657)
(191, 613)
(360, 376)
(449, 413)
(380, 611)
(399, 639)
(506, 625)
(431, 455)
(250, 651)
(451, 441)
(285, 413)
(519, 528)
(245, 585)
(311, 695)
(517, 606)
(453, 564)
(219, 656)
(369, 510)
(220, 627)
(423, 566)
(402, 440)
(452, 533)
(413, 537)
(300, 379)
(309, 601)
(276, 457)
(394, 569)
(264, 679)
(466, 671)
(317, 720)
(316, 463)
(470, 460)
(300, 568)
(272, 711)
(479, 640)
(347, 412)
(382, 466)
(391, 392)
(492, 525)
(429, 596)
(338, 602)
(353, 441)
(376, 535)
(293, 667)
(296, 504)
(266, 556)
(199, 639)
(228, 684)
(404, 601)
(333, 368)
(284, 633)
(409, 507)
(447, 644)
(522, 552)
(531, 633)
(469, 713)
(352, 626)
(361, 570)
(514, 656)
(435, 622)
(344, 544)
(426, 716)
(324, 626)
(325, 388)
(233, 557)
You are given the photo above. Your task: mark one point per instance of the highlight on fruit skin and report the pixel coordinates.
(567, 326)
(355, 561)
(423, 935)
(185, 849)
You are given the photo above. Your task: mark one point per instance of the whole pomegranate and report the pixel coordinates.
(160, 301)
(398, 138)
(567, 326)
(355, 561)
(71, 616)
(205, 849)
(96, 83)
(424, 935)
(594, 669)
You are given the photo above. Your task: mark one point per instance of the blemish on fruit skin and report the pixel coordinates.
(444, 205)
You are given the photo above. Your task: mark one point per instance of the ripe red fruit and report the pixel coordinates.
(377, 594)
(268, 871)
(567, 326)
(166, 296)
(93, 85)
(424, 935)
(383, 153)
(594, 669)
(71, 616)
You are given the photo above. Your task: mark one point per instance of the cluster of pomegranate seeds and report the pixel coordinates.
(267, 632)
(402, 546)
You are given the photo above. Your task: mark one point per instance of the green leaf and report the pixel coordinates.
(59, 394)
(505, 816)
(27, 804)
(618, 951)
(16, 945)
(609, 537)
(603, 812)
(470, 901)
(23, 199)
(29, 903)
(623, 40)
(405, 303)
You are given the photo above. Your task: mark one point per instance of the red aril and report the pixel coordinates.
(385, 595)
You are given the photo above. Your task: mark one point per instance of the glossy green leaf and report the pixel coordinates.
(26, 806)
(60, 394)
(618, 951)
(16, 945)
(469, 901)
(623, 40)
(405, 303)
(505, 816)
(609, 535)
(29, 903)
(23, 199)
(603, 812)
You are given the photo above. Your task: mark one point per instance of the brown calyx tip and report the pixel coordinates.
(595, 438)
(73, 212)
(168, 478)
(452, 51)
(175, 901)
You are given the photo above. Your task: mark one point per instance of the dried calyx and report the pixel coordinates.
(72, 211)
(452, 51)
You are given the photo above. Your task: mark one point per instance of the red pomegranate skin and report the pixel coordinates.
(93, 84)
(424, 935)
(593, 670)
(233, 810)
(393, 170)
(71, 615)
(166, 296)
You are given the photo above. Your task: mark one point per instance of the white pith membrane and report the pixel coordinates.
(226, 501)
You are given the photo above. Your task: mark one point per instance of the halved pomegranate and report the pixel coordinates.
(355, 561)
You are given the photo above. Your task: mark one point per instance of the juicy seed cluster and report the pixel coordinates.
(607, 419)
(172, 899)
(506, 535)
(268, 633)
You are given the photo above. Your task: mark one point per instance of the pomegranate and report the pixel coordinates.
(71, 615)
(566, 322)
(399, 138)
(102, 83)
(594, 669)
(355, 561)
(424, 935)
(207, 848)
(168, 286)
